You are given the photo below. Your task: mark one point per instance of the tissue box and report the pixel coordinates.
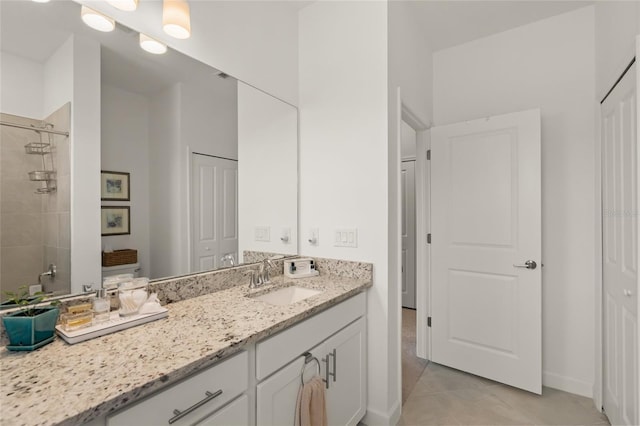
(119, 257)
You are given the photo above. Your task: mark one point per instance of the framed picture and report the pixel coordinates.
(115, 220)
(114, 186)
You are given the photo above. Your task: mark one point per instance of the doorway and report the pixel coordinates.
(415, 257)
(214, 205)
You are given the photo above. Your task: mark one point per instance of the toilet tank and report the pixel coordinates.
(130, 268)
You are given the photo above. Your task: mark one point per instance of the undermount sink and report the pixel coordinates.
(287, 295)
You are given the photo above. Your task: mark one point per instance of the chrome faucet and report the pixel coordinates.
(227, 258)
(265, 267)
(261, 276)
(51, 273)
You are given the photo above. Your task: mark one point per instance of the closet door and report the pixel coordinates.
(620, 252)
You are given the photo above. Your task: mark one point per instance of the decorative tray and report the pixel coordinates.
(115, 323)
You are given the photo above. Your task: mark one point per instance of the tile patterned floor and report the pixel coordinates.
(444, 396)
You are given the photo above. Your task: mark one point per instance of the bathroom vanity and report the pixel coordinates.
(221, 358)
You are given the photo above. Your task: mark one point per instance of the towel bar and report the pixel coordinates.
(308, 358)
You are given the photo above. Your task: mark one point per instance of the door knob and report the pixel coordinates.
(529, 264)
(627, 293)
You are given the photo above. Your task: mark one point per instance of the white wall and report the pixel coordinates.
(617, 23)
(85, 162)
(408, 141)
(547, 64)
(210, 117)
(21, 86)
(166, 181)
(267, 170)
(125, 148)
(254, 41)
(344, 161)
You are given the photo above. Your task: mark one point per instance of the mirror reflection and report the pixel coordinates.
(195, 167)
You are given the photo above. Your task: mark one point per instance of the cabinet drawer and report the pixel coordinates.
(234, 414)
(229, 376)
(276, 351)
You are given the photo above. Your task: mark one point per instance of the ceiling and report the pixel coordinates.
(34, 31)
(449, 23)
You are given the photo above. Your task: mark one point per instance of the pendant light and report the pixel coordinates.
(97, 20)
(126, 5)
(151, 45)
(176, 20)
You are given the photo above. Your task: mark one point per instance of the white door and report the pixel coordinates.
(620, 252)
(408, 182)
(214, 211)
(486, 223)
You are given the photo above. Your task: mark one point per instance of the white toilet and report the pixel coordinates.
(129, 268)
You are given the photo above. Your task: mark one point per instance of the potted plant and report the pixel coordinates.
(32, 326)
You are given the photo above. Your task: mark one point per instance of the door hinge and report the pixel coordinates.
(428, 238)
(428, 321)
(428, 154)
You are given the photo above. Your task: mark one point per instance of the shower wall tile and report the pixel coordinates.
(63, 194)
(18, 196)
(21, 229)
(20, 266)
(63, 155)
(39, 223)
(50, 229)
(64, 228)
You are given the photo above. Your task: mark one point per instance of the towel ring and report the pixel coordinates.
(308, 358)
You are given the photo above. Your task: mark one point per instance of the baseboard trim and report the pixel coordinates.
(376, 418)
(567, 384)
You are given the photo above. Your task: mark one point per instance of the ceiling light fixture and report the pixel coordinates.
(152, 45)
(126, 5)
(176, 19)
(97, 20)
(41, 1)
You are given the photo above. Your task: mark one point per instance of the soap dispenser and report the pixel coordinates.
(101, 307)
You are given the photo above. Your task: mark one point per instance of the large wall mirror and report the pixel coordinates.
(196, 167)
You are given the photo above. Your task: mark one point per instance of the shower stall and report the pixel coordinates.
(35, 223)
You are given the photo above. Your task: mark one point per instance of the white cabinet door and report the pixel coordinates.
(346, 353)
(277, 395)
(234, 414)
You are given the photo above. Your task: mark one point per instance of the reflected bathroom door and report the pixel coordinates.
(214, 185)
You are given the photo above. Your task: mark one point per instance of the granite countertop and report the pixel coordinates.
(72, 384)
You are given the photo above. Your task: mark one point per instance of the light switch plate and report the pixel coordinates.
(263, 233)
(345, 237)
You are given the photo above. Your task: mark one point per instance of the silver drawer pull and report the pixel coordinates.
(180, 414)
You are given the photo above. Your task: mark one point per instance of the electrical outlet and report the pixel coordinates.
(346, 237)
